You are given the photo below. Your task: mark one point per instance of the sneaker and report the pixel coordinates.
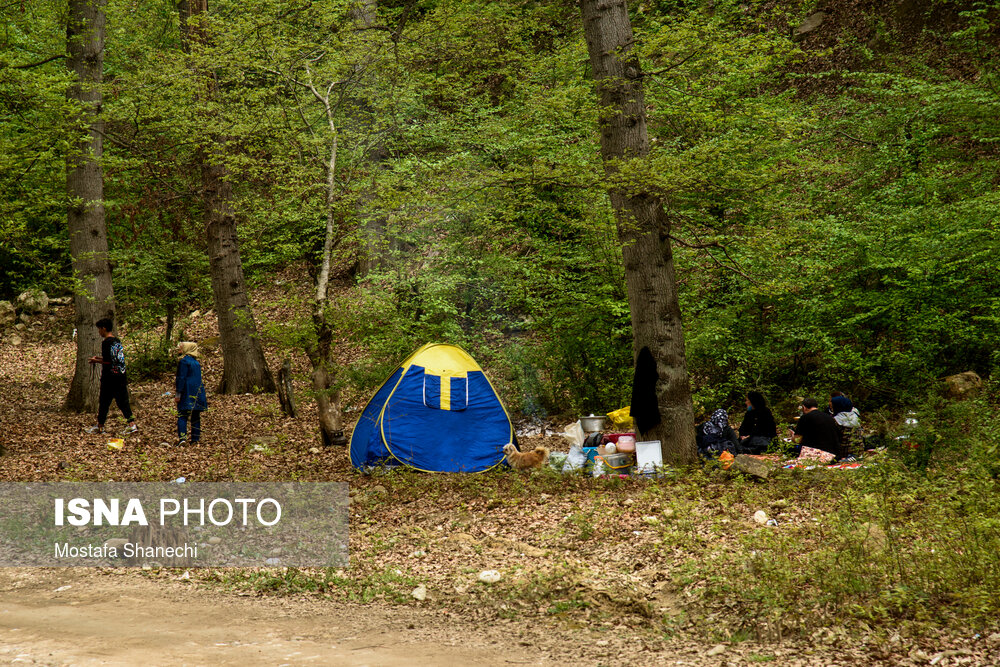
(131, 428)
(94, 429)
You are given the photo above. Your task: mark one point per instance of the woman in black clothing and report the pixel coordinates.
(758, 428)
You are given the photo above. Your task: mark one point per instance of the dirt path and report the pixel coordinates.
(126, 620)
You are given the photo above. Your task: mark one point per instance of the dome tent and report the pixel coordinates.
(437, 413)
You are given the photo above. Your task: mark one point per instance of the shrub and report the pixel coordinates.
(149, 357)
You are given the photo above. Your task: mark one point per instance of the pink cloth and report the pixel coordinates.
(816, 455)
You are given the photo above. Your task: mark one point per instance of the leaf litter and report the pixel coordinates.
(594, 570)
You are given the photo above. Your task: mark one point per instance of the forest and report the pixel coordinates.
(785, 196)
(831, 193)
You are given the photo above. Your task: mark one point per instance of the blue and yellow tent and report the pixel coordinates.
(437, 413)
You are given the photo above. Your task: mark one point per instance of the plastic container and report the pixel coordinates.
(621, 464)
(649, 457)
(614, 437)
(626, 443)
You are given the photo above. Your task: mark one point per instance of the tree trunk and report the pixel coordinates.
(331, 427)
(170, 323)
(643, 225)
(331, 419)
(286, 393)
(244, 369)
(88, 239)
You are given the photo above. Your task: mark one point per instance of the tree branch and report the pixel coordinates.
(855, 139)
(40, 62)
(671, 65)
(732, 266)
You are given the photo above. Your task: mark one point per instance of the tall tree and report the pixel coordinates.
(643, 224)
(319, 347)
(336, 73)
(244, 367)
(94, 294)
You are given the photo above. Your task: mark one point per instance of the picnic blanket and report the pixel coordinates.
(808, 463)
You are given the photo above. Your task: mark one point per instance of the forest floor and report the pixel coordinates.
(594, 571)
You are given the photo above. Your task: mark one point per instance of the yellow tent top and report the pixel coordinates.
(442, 359)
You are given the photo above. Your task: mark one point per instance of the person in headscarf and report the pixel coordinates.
(190, 399)
(844, 412)
(848, 421)
(715, 435)
(758, 428)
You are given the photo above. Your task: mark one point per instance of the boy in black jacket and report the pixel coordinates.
(114, 383)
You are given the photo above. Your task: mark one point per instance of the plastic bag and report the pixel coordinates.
(574, 433)
(575, 460)
(622, 418)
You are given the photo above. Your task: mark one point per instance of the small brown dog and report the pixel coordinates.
(536, 458)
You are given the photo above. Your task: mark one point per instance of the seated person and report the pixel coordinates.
(758, 428)
(715, 435)
(848, 420)
(817, 429)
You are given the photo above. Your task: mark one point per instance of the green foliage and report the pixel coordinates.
(149, 357)
(159, 280)
(34, 139)
(834, 210)
(857, 246)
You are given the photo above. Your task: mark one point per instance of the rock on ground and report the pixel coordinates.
(33, 301)
(718, 649)
(963, 385)
(489, 576)
(751, 466)
(8, 315)
(812, 22)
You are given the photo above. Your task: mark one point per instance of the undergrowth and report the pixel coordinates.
(912, 541)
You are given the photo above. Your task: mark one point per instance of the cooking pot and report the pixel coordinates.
(593, 423)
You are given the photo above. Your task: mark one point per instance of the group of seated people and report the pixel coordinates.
(836, 430)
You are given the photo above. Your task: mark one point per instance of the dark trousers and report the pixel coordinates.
(113, 388)
(756, 444)
(182, 424)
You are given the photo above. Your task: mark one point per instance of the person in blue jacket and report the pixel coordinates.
(190, 397)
